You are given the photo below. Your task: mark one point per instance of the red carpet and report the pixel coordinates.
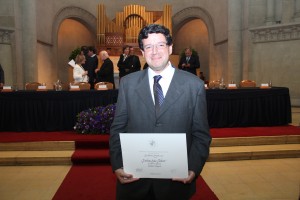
(91, 176)
(215, 132)
(98, 183)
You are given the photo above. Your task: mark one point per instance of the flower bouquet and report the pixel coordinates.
(95, 120)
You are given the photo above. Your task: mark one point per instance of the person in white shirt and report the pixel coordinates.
(79, 74)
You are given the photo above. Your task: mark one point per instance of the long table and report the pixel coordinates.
(57, 110)
(48, 110)
(248, 107)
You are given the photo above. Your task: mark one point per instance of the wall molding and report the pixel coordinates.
(275, 33)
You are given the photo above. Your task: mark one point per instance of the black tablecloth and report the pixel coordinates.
(48, 110)
(57, 110)
(248, 107)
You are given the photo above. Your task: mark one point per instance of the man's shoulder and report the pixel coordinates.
(187, 76)
(135, 76)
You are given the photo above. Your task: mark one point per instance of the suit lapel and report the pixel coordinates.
(144, 93)
(174, 92)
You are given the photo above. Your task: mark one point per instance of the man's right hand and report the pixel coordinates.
(123, 177)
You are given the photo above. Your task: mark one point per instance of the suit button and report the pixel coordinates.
(158, 124)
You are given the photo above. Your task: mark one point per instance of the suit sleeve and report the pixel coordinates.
(118, 126)
(181, 61)
(121, 65)
(195, 64)
(201, 138)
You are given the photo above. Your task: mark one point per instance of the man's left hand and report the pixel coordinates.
(187, 180)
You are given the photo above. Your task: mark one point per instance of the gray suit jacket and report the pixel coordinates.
(184, 111)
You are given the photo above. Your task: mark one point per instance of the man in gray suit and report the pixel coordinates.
(183, 110)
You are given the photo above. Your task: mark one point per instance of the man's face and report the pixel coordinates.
(90, 53)
(156, 51)
(131, 51)
(188, 53)
(103, 57)
(126, 51)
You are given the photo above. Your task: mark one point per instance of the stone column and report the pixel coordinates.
(29, 40)
(235, 56)
(297, 11)
(270, 18)
(278, 12)
(17, 50)
(246, 35)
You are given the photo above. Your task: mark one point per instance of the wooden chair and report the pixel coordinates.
(32, 85)
(83, 85)
(247, 83)
(104, 86)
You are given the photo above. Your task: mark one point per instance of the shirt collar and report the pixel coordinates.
(165, 73)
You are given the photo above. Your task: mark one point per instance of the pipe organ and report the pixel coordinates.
(124, 29)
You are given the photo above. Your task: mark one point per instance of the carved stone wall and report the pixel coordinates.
(282, 32)
(5, 36)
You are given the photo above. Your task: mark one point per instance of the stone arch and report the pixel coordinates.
(191, 13)
(75, 13)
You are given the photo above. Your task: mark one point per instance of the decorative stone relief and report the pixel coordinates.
(5, 36)
(276, 33)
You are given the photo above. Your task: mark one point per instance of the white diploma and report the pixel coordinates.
(159, 155)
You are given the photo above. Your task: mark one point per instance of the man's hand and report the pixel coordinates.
(123, 177)
(189, 179)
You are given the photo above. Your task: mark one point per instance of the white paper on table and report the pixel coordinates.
(6, 87)
(159, 155)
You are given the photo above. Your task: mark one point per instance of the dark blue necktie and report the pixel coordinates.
(158, 93)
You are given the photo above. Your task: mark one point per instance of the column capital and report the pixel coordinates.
(5, 35)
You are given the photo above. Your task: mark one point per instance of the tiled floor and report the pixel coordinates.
(231, 180)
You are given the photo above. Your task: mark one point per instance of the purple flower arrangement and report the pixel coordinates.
(95, 120)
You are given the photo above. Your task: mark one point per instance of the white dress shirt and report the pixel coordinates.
(165, 81)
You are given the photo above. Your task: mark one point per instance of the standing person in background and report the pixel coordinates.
(135, 61)
(79, 73)
(145, 66)
(124, 63)
(138, 111)
(91, 64)
(106, 72)
(202, 77)
(1, 77)
(189, 62)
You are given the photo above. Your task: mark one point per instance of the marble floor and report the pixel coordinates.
(268, 179)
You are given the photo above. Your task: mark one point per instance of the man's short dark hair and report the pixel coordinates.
(154, 28)
(93, 49)
(125, 47)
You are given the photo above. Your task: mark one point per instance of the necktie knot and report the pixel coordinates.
(157, 78)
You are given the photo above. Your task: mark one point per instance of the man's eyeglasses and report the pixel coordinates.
(159, 46)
